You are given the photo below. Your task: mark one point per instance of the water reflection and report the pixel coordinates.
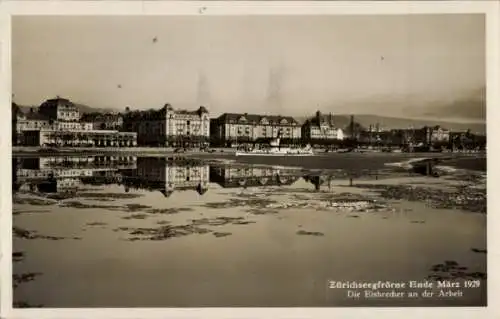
(159, 174)
(248, 176)
(68, 174)
(218, 217)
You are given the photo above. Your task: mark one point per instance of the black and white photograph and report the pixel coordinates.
(192, 161)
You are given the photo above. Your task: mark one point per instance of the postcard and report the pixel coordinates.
(247, 159)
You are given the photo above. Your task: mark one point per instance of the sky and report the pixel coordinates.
(420, 66)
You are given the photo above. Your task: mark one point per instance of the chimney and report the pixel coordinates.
(352, 126)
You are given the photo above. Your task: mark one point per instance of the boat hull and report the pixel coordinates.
(274, 154)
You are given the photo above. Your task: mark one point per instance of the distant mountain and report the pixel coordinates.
(343, 121)
(366, 120)
(469, 107)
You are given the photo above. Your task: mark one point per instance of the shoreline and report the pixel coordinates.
(349, 161)
(20, 151)
(35, 150)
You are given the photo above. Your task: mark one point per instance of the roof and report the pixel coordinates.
(323, 118)
(199, 111)
(35, 116)
(101, 117)
(59, 102)
(436, 127)
(256, 118)
(159, 114)
(147, 115)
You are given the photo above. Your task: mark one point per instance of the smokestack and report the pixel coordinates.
(352, 126)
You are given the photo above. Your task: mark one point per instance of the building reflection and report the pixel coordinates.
(320, 180)
(160, 174)
(67, 174)
(239, 176)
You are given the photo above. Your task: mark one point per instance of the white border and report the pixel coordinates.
(8, 8)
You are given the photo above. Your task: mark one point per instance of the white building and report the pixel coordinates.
(321, 128)
(169, 127)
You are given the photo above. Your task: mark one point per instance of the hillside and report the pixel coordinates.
(394, 123)
(472, 106)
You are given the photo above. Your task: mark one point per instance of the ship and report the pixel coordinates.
(274, 149)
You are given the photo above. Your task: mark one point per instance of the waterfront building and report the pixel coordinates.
(60, 109)
(31, 120)
(428, 135)
(437, 134)
(57, 123)
(22, 122)
(167, 177)
(400, 137)
(75, 138)
(234, 129)
(466, 140)
(375, 136)
(321, 129)
(106, 121)
(34, 120)
(169, 127)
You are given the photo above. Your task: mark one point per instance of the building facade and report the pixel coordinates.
(437, 134)
(80, 138)
(57, 123)
(231, 129)
(169, 127)
(34, 120)
(60, 109)
(321, 129)
(106, 121)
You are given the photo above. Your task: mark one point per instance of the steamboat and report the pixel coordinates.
(275, 149)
